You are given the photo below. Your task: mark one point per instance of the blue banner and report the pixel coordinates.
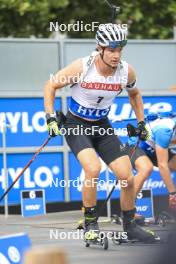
(45, 172)
(27, 128)
(26, 117)
(26, 120)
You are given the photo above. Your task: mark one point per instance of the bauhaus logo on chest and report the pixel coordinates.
(101, 86)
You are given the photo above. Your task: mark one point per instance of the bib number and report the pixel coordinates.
(100, 98)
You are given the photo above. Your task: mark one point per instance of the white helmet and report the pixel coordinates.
(111, 35)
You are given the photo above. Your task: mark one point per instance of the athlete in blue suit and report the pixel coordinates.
(159, 150)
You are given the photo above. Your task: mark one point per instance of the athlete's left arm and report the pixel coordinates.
(134, 94)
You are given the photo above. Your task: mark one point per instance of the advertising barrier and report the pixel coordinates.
(12, 248)
(27, 128)
(144, 203)
(33, 203)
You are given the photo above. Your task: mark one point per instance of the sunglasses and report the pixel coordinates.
(117, 44)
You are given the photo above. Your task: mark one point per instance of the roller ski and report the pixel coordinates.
(137, 235)
(92, 234)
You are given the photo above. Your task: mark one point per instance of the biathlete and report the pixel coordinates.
(95, 81)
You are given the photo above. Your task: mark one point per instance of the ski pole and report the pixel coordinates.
(27, 166)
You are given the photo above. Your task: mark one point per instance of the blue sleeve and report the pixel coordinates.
(162, 137)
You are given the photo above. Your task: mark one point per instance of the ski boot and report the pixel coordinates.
(92, 234)
(135, 232)
(140, 219)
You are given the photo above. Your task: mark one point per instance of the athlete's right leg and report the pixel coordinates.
(91, 166)
(82, 147)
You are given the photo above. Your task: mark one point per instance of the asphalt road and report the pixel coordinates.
(60, 229)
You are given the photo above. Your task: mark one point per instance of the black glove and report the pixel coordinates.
(132, 131)
(143, 132)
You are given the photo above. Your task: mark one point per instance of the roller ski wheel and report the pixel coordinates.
(105, 243)
(87, 244)
(95, 238)
(92, 233)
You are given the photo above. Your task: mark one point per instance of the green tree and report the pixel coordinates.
(25, 18)
(148, 19)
